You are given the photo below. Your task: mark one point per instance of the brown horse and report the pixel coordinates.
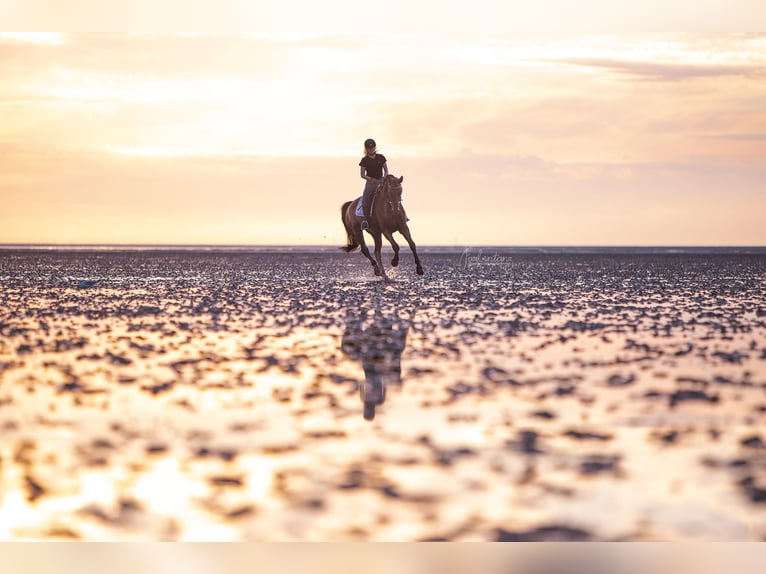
(388, 216)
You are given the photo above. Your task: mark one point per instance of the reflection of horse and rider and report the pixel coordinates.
(376, 339)
(379, 211)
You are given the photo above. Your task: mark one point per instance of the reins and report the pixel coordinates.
(383, 189)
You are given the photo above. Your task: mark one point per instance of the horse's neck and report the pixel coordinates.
(384, 196)
(381, 205)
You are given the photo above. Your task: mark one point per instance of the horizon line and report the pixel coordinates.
(150, 244)
(424, 245)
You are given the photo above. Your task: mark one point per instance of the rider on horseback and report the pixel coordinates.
(373, 169)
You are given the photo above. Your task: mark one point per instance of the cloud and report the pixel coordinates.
(739, 137)
(665, 71)
(150, 56)
(45, 38)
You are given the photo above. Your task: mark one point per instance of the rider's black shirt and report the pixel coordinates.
(374, 165)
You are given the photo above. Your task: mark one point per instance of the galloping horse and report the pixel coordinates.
(388, 216)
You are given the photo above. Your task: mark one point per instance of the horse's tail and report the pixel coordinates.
(352, 242)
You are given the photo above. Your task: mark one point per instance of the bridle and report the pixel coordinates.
(385, 190)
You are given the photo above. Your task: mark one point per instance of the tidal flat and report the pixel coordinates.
(292, 396)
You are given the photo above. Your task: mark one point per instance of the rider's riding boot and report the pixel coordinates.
(367, 216)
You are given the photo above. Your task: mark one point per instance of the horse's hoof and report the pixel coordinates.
(394, 262)
(419, 271)
(377, 271)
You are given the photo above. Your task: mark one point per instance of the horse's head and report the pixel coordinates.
(392, 187)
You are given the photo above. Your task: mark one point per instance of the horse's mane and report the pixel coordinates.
(390, 181)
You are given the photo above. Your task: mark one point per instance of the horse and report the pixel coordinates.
(388, 217)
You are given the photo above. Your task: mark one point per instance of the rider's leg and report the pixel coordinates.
(369, 189)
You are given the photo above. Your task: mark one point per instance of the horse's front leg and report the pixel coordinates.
(405, 231)
(390, 236)
(378, 245)
(366, 252)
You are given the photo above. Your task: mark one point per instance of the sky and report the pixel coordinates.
(567, 138)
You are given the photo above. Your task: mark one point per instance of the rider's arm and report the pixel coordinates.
(385, 169)
(363, 173)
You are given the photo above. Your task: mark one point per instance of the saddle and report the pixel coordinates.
(359, 211)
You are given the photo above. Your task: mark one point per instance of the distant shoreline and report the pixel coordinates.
(473, 250)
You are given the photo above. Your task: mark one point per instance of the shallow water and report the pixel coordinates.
(182, 395)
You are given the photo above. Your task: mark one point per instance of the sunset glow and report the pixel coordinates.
(638, 139)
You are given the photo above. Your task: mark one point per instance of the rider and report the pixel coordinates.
(373, 169)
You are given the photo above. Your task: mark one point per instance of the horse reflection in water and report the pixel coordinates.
(377, 339)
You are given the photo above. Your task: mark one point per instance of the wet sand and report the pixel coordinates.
(160, 395)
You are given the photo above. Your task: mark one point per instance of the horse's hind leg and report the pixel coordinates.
(405, 231)
(366, 252)
(390, 236)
